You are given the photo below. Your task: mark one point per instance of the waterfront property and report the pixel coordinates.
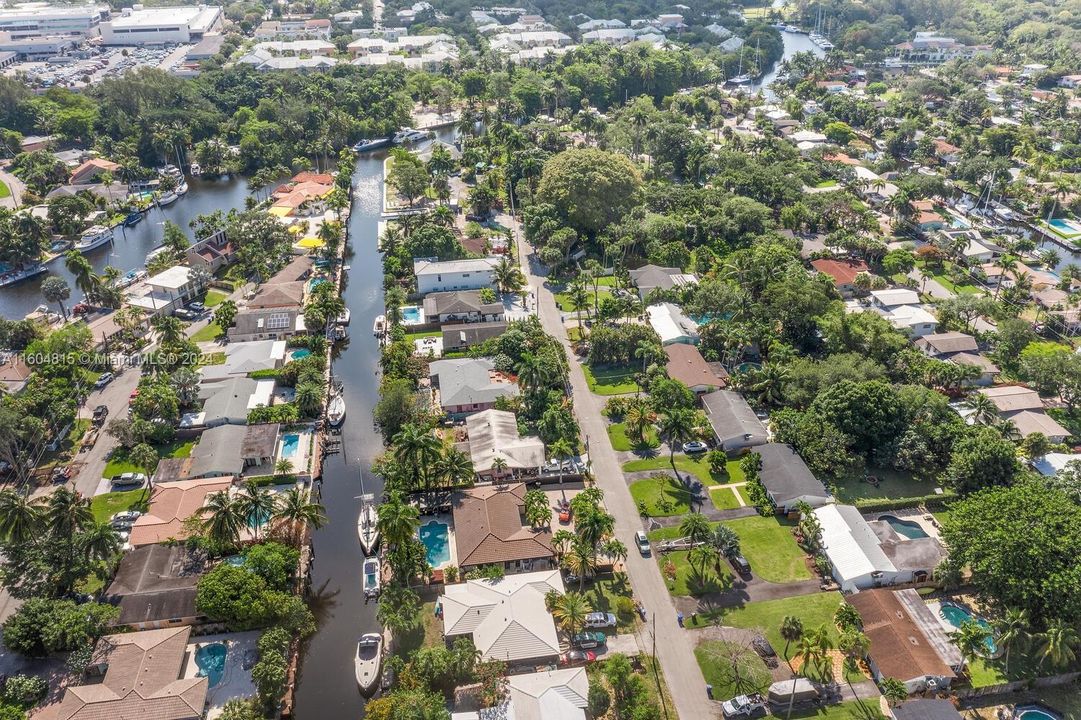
(438, 538)
(490, 529)
(505, 617)
(242, 358)
(461, 306)
(462, 337)
(166, 292)
(787, 479)
(225, 660)
(550, 695)
(170, 505)
(155, 585)
(435, 276)
(212, 253)
(229, 401)
(493, 435)
(228, 451)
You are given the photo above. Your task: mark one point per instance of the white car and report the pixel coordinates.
(743, 706)
(695, 446)
(127, 479)
(599, 620)
(642, 542)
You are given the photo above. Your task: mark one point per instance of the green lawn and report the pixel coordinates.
(732, 669)
(891, 484)
(688, 580)
(5, 191)
(826, 184)
(213, 298)
(766, 615)
(610, 381)
(851, 710)
(695, 466)
(427, 633)
(617, 433)
(742, 490)
(662, 496)
(410, 337)
(210, 332)
(604, 594)
(106, 505)
(1064, 698)
(118, 463)
(724, 499)
(770, 548)
(563, 299)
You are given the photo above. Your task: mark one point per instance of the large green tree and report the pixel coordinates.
(590, 188)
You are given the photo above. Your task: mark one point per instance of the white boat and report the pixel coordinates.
(380, 325)
(739, 80)
(343, 319)
(368, 660)
(826, 45)
(181, 189)
(196, 169)
(366, 145)
(795, 29)
(408, 136)
(10, 277)
(336, 411)
(94, 237)
(168, 199)
(368, 525)
(371, 577)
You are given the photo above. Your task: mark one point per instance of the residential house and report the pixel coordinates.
(242, 358)
(669, 322)
(461, 306)
(141, 676)
(224, 451)
(490, 528)
(212, 253)
(1071, 82)
(843, 271)
(467, 385)
(304, 194)
(14, 372)
(960, 349)
(155, 585)
(171, 504)
(926, 709)
(926, 217)
(866, 554)
(168, 291)
(913, 320)
(907, 642)
(548, 695)
(946, 152)
(276, 311)
(461, 337)
(91, 170)
(734, 423)
(436, 276)
(889, 299)
(229, 401)
(787, 479)
(1025, 409)
(686, 364)
(654, 277)
(506, 617)
(1053, 463)
(493, 434)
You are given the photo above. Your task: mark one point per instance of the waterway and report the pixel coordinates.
(793, 43)
(128, 250)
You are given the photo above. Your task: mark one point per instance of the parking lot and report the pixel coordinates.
(100, 64)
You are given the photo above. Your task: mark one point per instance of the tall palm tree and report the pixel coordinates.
(791, 631)
(560, 450)
(452, 468)
(971, 640)
(223, 518)
(533, 373)
(615, 550)
(580, 561)
(854, 645)
(1058, 643)
(257, 504)
(398, 520)
(695, 527)
(99, 542)
(170, 331)
(570, 610)
(1012, 629)
(579, 300)
(984, 410)
(296, 509)
(80, 267)
(507, 275)
(67, 513)
(20, 517)
(676, 427)
(649, 353)
(639, 417)
(418, 448)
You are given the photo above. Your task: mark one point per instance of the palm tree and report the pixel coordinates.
(67, 513)
(507, 275)
(725, 540)
(80, 267)
(1012, 629)
(1058, 644)
(499, 466)
(296, 509)
(971, 640)
(56, 290)
(20, 517)
(854, 645)
(560, 450)
(223, 518)
(984, 410)
(639, 417)
(570, 610)
(170, 331)
(768, 383)
(648, 352)
(99, 542)
(699, 556)
(615, 550)
(695, 527)
(418, 448)
(257, 504)
(676, 427)
(579, 560)
(398, 520)
(452, 468)
(579, 300)
(533, 373)
(791, 631)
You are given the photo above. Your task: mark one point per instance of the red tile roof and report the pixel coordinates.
(843, 271)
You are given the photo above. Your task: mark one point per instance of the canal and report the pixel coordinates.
(128, 251)
(793, 43)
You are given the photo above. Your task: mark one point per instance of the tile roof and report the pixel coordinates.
(686, 364)
(900, 645)
(156, 582)
(842, 271)
(1012, 398)
(170, 505)
(489, 527)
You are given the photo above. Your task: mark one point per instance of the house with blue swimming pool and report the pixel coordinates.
(490, 529)
(226, 451)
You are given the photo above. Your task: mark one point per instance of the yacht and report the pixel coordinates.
(195, 169)
(371, 577)
(825, 44)
(408, 136)
(343, 319)
(368, 525)
(168, 199)
(133, 218)
(181, 189)
(380, 325)
(95, 237)
(795, 29)
(375, 144)
(13, 275)
(368, 660)
(336, 411)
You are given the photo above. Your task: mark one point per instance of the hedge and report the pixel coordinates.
(932, 502)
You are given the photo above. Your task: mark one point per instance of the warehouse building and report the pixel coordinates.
(162, 25)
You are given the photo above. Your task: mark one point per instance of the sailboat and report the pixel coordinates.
(369, 658)
(368, 522)
(336, 411)
(740, 78)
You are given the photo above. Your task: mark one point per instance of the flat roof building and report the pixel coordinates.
(162, 25)
(33, 20)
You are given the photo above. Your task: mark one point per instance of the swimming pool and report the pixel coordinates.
(957, 616)
(235, 560)
(210, 659)
(959, 223)
(412, 315)
(1064, 226)
(258, 520)
(904, 528)
(300, 354)
(1035, 712)
(290, 445)
(436, 538)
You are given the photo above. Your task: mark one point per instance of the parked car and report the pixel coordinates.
(762, 647)
(127, 479)
(197, 307)
(599, 620)
(741, 565)
(744, 706)
(586, 640)
(572, 658)
(104, 380)
(100, 413)
(60, 474)
(125, 519)
(185, 314)
(695, 446)
(642, 542)
(134, 394)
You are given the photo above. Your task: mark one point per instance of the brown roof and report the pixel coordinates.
(899, 646)
(142, 681)
(469, 334)
(842, 271)
(489, 527)
(170, 505)
(687, 365)
(945, 148)
(287, 294)
(156, 582)
(1012, 398)
(297, 269)
(94, 166)
(259, 441)
(947, 342)
(14, 370)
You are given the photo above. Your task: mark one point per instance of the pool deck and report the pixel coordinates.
(926, 521)
(236, 680)
(301, 458)
(447, 520)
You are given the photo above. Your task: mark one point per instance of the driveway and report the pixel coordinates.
(675, 648)
(15, 185)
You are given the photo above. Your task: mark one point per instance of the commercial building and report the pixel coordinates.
(34, 20)
(162, 25)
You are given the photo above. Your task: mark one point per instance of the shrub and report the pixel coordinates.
(270, 672)
(616, 407)
(599, 700)
(450, 573)
(41, 627)
(25, 690)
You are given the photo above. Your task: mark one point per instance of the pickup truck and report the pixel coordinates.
(744, 706)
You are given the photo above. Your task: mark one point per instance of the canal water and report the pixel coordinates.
(793, 43)
(128, 251)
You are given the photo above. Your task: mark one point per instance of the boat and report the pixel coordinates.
(368, 525)
(181, 189)
(339, 333)
(195, 169)
(60, 246)
(343, 319)
(795, 29)
(133, 218)
(375, 144)
(408, 136)
(336, 411)
(168, 199)
(826, 45)
(15, 275)
(739, 80)
(156, 253)
(171, 171)
(380, 326)
(368, 660)
(130, 278)
(94, 237)
(371, 577)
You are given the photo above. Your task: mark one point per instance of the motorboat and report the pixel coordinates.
(130, 278)
(195, 169)
(60, 246)
(343, 319)
(368, 661)
(408, 136)
(339, 333)
(94, 237)
(336, 411)
(133, 218)
(156, 253)
(181, 189)
(380, 326)
(374, 144)
(739, 80)
(168, 199)
(368, 525)
(825, 45)
(171, 171)
(795, 29)
(371, 577)
(15, 275)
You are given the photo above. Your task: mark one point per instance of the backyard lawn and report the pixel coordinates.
(214, 297)
(891, 484)
(617, 433)
(732, 669)
(770, 548)
(724, 498)
(118, 463)
(688, 580)
(695, 466)
(662, 496)
(210, 332)
(106, 505)
(427, 633)
(617, 380)
(5, 191)
(604, 595)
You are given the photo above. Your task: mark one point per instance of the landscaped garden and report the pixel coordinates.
(661, 496)
(612, 594)
(684, 577)
(119, 463)
(888, 484)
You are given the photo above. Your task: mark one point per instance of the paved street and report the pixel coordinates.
(15, 185)
(674, 645)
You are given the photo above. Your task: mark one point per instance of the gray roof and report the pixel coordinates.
(242, 358)
(733, 419)
(649, 277)
(218, 451)
(905, 553)
(469, 334)
(926, 710)
(947, 342)
(227, 401)
(156, 582)
(435, 267)
(786, 477)
(468, 381)
(458, 302)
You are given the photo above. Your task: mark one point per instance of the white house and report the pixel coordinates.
(162, 25)
(672, 325)
(167, 291)
(435, 276)
(550, 695)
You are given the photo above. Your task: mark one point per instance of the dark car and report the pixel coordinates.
(587, 639)
(197, 307)
(185, 314)
(741, 565)
(100, 413)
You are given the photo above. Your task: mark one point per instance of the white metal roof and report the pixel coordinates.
(849, 542)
